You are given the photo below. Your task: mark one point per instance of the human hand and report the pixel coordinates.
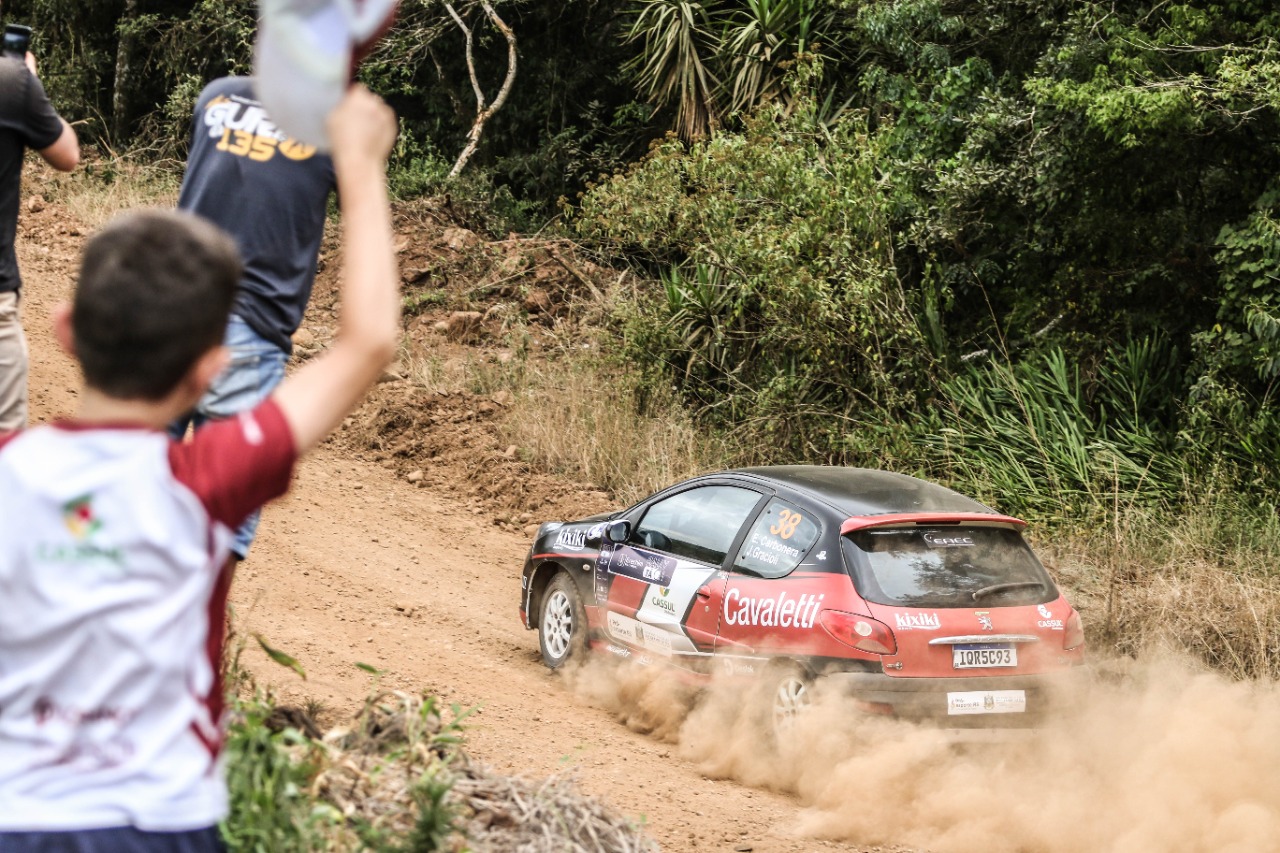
(30, 60)
(362, 128)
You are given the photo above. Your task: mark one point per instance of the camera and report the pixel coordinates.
(17, 40)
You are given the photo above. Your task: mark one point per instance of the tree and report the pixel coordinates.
(484, 111)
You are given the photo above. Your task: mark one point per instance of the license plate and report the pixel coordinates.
(987, 702)
(983, 657)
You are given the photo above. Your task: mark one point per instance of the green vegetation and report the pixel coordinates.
(1028, 249)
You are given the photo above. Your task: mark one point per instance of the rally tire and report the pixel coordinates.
(562, 627)
(790, 695)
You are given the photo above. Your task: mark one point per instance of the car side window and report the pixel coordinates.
(778, 541)
(699, 524)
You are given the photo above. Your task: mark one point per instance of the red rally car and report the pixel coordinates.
(911, 598)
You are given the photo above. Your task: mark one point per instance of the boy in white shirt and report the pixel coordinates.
(114, 539)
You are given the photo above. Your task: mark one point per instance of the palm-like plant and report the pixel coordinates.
(679, 39)
(761, 38)
(714, 57)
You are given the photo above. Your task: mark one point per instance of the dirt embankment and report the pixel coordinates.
(401, 546)
(419, 576)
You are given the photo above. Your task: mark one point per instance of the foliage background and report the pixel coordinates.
(1030, 248)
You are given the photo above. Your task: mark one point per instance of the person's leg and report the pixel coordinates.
(255, 369)
(13, 365)
(123, 839)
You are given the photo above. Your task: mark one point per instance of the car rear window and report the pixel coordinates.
(946, 566)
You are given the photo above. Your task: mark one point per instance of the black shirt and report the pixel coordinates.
(269, 193)
(27, 120)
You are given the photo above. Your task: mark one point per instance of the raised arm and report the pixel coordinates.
(316, 398)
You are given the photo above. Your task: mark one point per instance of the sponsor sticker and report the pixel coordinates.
(938, 540)
(987, 702)
(571, 540)
(780, 611)
(1048, 621)
(640, 565)
(639, 634)
(917, 621)
(738, 667)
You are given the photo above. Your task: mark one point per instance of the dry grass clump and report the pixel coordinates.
(1207, 583)
(401, 782)
(104, 187)
(575, 418)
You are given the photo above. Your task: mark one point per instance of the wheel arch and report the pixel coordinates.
(543, 573)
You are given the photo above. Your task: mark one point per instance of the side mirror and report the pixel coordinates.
(618, 531)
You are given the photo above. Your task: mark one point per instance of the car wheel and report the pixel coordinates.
(562, 630)
(791, 696)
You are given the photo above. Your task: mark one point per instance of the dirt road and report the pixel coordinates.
(357, 565)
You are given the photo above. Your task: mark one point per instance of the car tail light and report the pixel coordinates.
(1073, 633)
(861, 632)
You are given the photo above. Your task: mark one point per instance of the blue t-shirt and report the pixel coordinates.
(269, 192)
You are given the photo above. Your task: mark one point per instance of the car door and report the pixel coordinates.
(665, 583)
(768, 607)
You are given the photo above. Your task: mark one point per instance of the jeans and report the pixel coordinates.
(255, 369)
(124, 839)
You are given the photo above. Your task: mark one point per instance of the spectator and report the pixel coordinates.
(270, 194)
(27, 120)
(114, 538)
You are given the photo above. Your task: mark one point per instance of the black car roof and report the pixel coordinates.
(866, 491)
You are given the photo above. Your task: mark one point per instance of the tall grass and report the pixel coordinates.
(577, 419)
(104, 187)
(1038, 437)
(583, 415)
(1203, 579)
(1160, 540)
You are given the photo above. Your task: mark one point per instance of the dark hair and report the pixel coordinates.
(154, 294)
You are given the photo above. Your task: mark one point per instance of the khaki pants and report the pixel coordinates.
(13, 365)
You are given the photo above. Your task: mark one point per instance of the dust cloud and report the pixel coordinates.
(1153, 756)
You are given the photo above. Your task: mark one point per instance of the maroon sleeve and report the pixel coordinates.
(237, 465)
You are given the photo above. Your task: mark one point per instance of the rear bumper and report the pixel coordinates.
(927, 698)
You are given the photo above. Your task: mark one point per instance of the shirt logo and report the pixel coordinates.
(243, 130)
(78, 516)
(82, 523)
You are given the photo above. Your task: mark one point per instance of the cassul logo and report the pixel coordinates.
(662, 602)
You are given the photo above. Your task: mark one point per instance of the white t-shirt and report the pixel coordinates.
(112, 608)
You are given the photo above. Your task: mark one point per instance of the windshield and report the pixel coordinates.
(946, 566)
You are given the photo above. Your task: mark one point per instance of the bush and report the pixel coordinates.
(778, 310)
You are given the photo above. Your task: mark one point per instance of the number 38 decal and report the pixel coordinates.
(788, 521)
